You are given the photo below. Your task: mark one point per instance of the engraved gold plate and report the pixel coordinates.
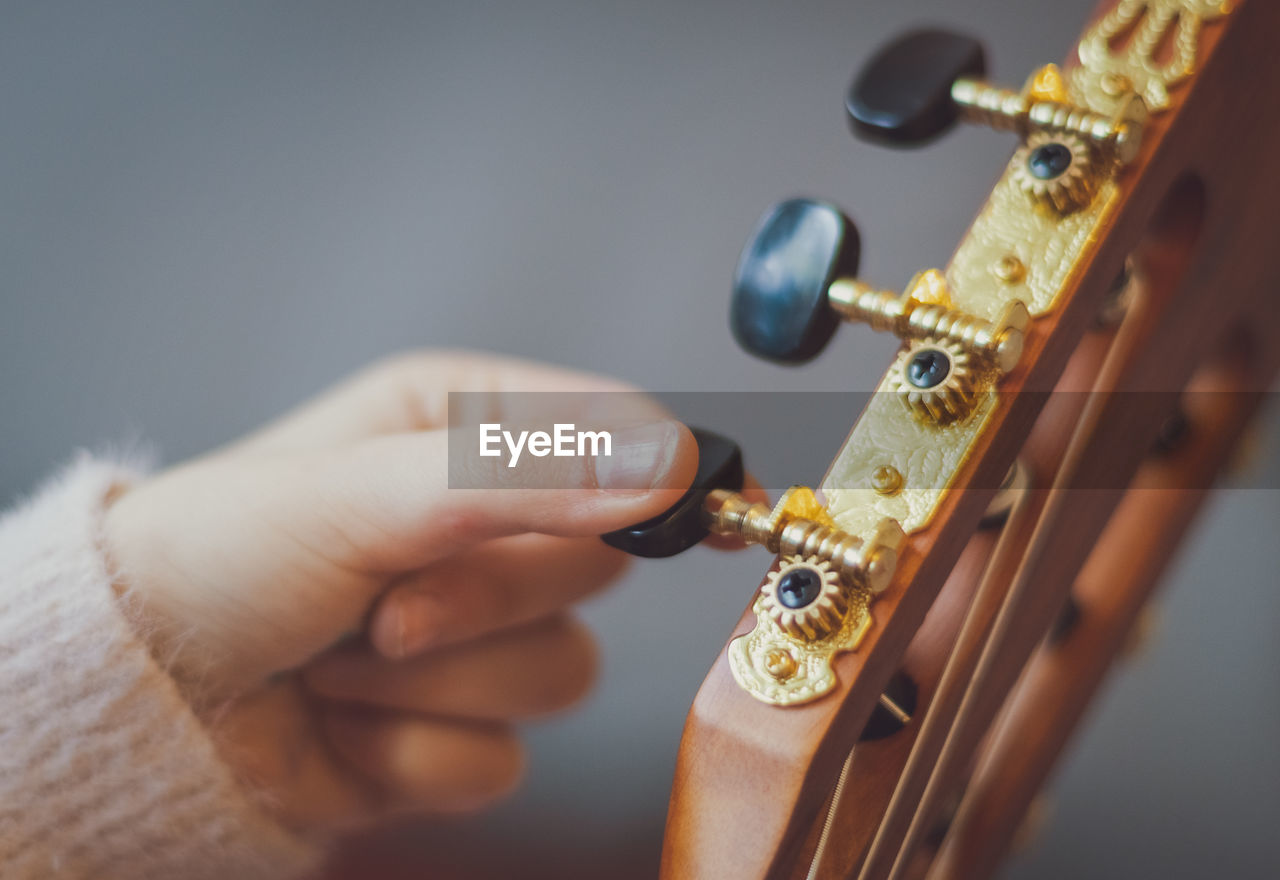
(786, 658)
(1015, 250)
(1019, 257)
(925, 455)
(778, 668)
(1107, 75)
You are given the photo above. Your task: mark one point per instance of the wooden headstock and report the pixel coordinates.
(1149, 158)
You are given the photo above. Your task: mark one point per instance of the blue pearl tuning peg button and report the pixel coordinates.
(902, 96)
(779, 309)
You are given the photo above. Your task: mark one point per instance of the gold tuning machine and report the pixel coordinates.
(813, 606)
(816, 604)
(1042, 105)
(799, 526)
(796, 281)
(918, 86)
(925, 312)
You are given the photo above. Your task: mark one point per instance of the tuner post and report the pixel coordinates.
(1042, 105)
(919, 85)
(797, 280)
(799, 527)
(924, 311)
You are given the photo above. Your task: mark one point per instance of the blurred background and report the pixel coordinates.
(210, 211)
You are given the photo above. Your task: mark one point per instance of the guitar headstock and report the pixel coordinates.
(955, 545)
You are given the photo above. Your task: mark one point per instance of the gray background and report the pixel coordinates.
(208, 212)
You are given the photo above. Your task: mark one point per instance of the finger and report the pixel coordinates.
(501, 584)
(386, 505)
(410, 392)
(517, 674)
(272, 741)
(425, 763)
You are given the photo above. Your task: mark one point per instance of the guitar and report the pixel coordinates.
(945, 603)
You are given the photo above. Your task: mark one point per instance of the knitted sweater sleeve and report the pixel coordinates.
(105, 771)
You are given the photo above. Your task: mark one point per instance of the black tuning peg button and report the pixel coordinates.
(780, 310)
(903, 94)
(796, 283)
(919, 85)
(684, 524)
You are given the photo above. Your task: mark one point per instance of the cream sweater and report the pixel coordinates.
(105, 772)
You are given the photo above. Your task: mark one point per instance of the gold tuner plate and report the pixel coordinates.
(781, 664)
(1110, 79)
(815, 605)
(1017, 256)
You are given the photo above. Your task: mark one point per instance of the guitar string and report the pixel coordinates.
(975, 634)
(816, 863)
(1117, 357)
(833, 809)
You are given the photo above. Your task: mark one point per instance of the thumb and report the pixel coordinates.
(406, 500)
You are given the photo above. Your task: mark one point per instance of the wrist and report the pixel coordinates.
(145, 587)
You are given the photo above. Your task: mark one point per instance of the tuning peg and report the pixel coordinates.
(919, 85)
(903, 94)
(684, 524)
(794, 284)
(780, 309)
(798, 526)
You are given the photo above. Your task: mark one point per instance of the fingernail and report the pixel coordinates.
(421, 623)
(639, 457)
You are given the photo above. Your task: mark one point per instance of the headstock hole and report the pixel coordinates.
(1169, 249)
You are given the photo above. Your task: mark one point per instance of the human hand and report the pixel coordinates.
(252, 561)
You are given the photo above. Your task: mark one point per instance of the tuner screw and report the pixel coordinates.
(1009, 269)
(780, 663)
(1057, 170)
(886, 480)
(934, 380)
(1115, 84)
(805, 598)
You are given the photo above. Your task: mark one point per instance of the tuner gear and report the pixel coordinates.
(1057, 170)
(805, 597)
(934, 380)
